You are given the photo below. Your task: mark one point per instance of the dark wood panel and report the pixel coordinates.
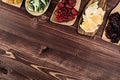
(30, 67)
(33, 48)
(95, 66)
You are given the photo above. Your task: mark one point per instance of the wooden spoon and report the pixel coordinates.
(69, 23)
(116, 9)
(36, 13)
(101, 4)
(16, 5)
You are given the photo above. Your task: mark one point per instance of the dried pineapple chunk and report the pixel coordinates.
(92, 18)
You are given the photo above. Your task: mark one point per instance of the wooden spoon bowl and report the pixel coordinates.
(102, 4)
(69, 23)
(116, 9)
(36, 13)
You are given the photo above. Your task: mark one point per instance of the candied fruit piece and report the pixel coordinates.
(68, 6)
(59, 18)
(72, 3)
(71, 17)
(64, 10)
(64, 1)
(60, 5)
(74, 11)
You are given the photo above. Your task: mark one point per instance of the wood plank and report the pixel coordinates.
(86, 66)
(69, 55)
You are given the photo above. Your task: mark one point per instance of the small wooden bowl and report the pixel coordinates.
(116, 9)
(102, 4)
(69, 23)
(36, 13)
(16, 5)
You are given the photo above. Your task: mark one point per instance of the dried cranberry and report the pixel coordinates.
(68, 6)
(66, 19)
(72, 3)
(71, 17)
(64, 1)
(59, 18)
(58, 12)
(60, 5)
(74, 11)
(66, 11)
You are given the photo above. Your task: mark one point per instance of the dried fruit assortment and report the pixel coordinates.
(113, 28)
(65, 11)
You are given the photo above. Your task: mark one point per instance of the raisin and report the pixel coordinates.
(115, 40)
(113, 28)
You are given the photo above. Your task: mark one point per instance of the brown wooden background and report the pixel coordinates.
(33, 48)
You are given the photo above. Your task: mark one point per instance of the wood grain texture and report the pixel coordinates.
(33, 48)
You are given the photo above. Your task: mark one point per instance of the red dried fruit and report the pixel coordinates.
(72, 3)
(65, 11)
(71, 17)
(74, 11)
(59, 18)
(65, 19)
(64, 1)
(60, 5)
(58, 12)
(68, 6)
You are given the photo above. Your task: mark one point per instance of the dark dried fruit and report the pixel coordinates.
(113, 28)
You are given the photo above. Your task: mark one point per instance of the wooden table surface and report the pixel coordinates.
(33, 48)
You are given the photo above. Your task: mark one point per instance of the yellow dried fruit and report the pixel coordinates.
(92, 18)
(14, 1)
